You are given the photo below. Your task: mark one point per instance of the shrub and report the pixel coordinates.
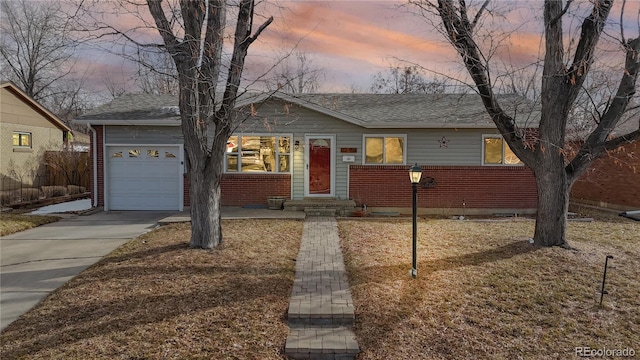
(53, 191)
(75, 189)
(6, 197)
(30, 194)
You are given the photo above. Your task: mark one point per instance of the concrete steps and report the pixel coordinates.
(322, 207)
(321, 312)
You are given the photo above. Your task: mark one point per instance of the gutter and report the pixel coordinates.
(95, 164)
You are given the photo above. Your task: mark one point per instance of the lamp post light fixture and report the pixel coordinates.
(414, 174)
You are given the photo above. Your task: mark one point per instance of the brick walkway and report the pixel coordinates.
(321, 310)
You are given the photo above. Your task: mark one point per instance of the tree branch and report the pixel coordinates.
(459, 34)
(243, 39)
(592, 27)
(480, 12)
(596, 144)
(155, 7)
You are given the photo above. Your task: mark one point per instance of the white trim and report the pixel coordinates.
(384, 136)
(181, 169)
(305, 165)
(504, 143)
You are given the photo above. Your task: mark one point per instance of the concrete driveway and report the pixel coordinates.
(37, 261)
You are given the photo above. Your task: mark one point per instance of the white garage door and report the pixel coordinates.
(144, 178)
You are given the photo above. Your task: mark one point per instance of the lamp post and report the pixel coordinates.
(414, 174)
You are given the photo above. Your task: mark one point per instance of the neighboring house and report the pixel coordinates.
(26, 129)
(337, 146)
(613, 181)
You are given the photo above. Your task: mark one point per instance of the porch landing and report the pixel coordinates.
(321, 207)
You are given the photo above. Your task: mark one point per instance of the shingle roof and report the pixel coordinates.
(136, 107)
(366, 110)
(422, 110)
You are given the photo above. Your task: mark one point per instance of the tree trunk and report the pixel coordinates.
(553, 203)
(206, 225)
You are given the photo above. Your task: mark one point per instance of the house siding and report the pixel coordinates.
(501, 189)
(451, 156)
(612, 181)
(17, 116)
(149, 135)
(461, 146)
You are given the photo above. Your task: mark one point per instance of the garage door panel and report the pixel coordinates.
(148, 180)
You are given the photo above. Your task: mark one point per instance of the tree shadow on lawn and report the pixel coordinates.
(57, 325)
(382, 274)
(412, 295)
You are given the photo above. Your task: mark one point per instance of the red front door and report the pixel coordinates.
(319, 165)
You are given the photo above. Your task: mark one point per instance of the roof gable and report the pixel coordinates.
(27, 100)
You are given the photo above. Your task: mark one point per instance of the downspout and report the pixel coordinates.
(95, 165)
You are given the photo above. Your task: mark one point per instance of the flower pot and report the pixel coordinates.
(276, 202)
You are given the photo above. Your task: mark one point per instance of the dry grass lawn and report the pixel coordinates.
(12, 223)
(154, 298)
(484, 292)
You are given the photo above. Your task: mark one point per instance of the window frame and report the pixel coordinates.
(384, 152)
(277, 154)
(20, 133)
(504, 146)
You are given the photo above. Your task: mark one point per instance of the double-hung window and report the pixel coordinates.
(496, 151)
(21, 139)
(385, 149)
(258, 153)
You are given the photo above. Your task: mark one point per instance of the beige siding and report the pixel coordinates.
(16, 116)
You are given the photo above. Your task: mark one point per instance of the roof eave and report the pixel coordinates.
(53, 119)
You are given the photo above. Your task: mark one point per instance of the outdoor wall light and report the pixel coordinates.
(414, 174)
(296, 145)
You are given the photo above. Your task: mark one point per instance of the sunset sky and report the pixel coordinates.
(353, 40)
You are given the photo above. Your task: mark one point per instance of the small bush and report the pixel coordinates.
(6, 197)
(75, 189)
(30, 194)
(53, 191)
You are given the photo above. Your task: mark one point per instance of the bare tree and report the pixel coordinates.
(156, 73)
(405, 80)
(198, 56)
(301, 77)
(37, 47)
(563, 79)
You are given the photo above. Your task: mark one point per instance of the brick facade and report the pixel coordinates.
(253, 189)
(100, 160)
(480, 187)
(613, 180)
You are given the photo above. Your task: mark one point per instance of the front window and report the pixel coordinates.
(258, 153)
(384, 149)
(22, 139)
(496, 151)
